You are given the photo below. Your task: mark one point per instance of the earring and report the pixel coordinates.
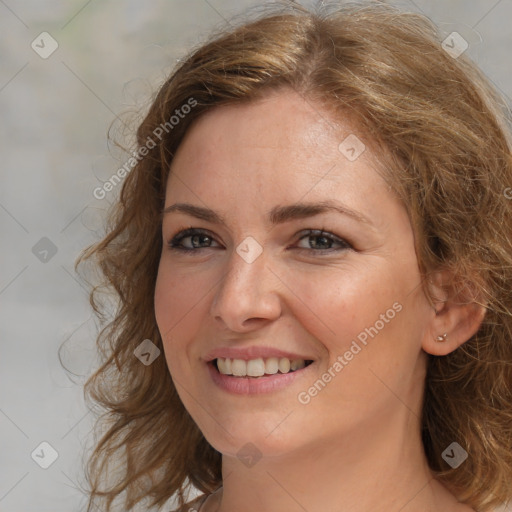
(442, 338)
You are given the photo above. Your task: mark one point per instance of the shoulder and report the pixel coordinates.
(463, 508)
(192, 506)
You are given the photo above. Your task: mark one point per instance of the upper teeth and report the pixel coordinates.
(258, 367)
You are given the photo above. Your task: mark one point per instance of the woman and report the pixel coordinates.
(317, 236)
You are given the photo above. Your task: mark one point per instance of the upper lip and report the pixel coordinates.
(252, 353)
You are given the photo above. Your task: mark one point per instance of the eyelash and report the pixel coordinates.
(174, 243)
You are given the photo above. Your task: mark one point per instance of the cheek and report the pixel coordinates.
(335, 305)
(174, 302)
(181, 309)
(368, 317)
(177, 295)
(165, 305)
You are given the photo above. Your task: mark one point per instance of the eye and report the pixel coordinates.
(197, 238)
(202, 239)
(323, 241)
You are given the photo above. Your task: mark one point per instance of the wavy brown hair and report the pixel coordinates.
(443, 138)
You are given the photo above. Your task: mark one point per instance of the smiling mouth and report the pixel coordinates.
(259, 367)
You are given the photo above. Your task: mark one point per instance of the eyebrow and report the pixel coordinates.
(277, 215)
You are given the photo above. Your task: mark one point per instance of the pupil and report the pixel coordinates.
(195, 238)
(321, 238)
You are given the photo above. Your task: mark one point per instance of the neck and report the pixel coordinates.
(382, 468)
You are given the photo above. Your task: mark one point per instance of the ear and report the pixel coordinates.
(456, 312)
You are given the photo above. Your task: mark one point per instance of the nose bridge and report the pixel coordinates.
(245, 290)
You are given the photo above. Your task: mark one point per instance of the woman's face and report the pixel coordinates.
(261, 286)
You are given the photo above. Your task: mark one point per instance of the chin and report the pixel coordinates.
(249, 435)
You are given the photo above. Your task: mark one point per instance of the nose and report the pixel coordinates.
(247, 297)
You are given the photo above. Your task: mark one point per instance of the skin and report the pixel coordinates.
(356, 445)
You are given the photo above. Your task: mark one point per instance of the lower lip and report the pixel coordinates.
(258, 385)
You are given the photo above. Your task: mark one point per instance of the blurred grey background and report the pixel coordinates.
(68, 69)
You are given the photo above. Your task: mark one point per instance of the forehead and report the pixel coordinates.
(281, 132)
(241, 159)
